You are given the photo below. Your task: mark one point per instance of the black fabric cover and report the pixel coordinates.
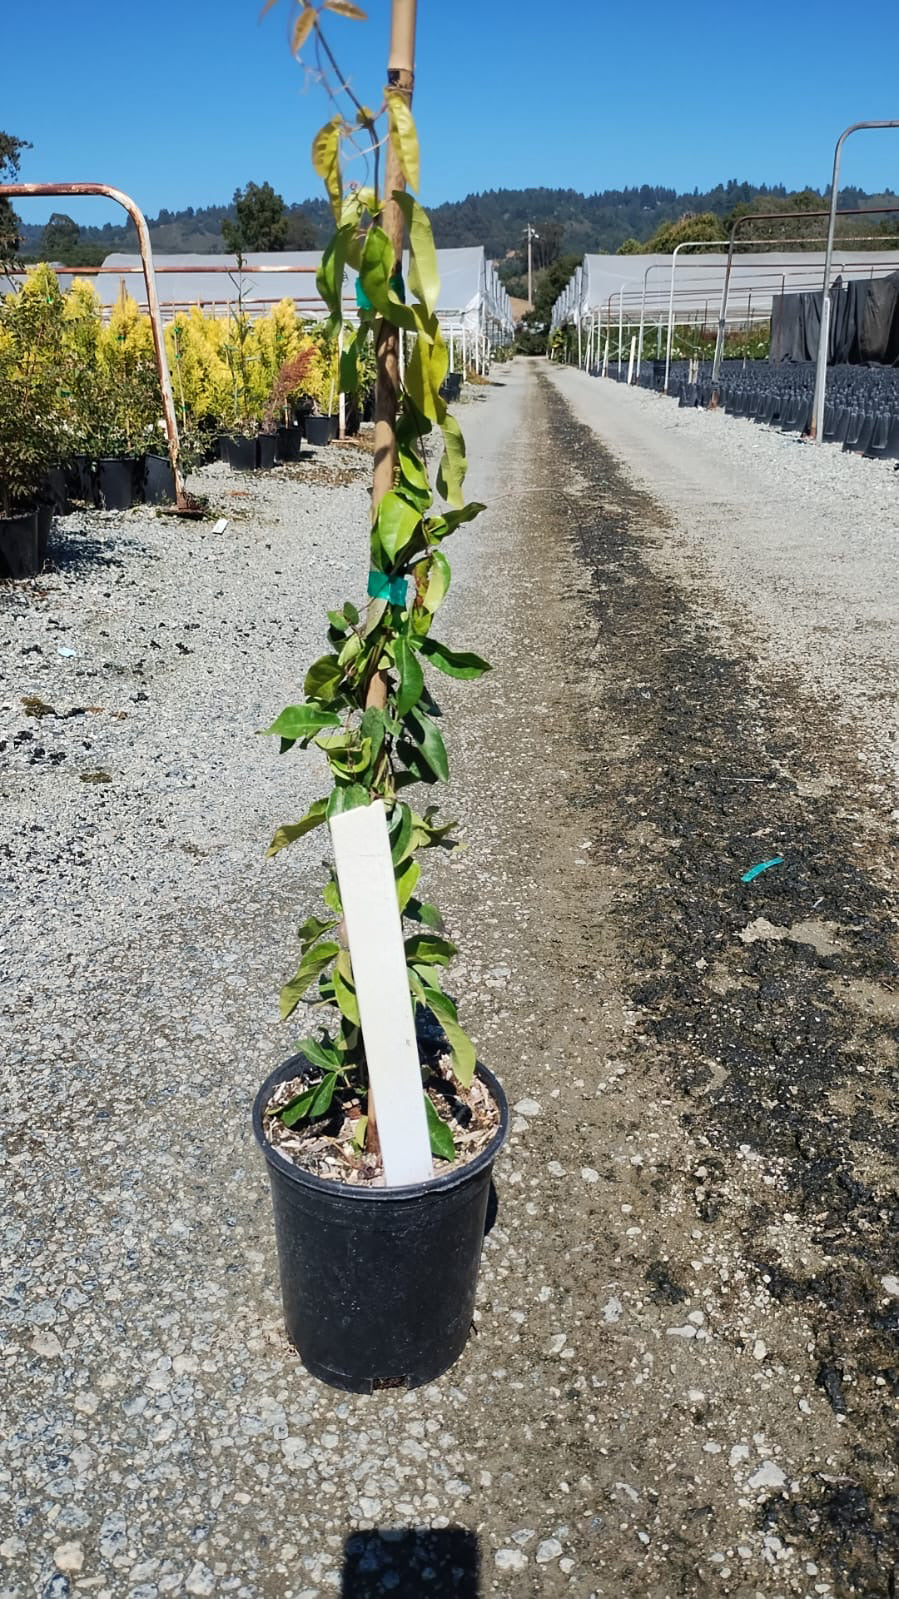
(864, 323)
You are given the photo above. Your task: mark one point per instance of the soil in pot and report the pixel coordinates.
(116, 478)
(266, 447)
(290, 441)
(378, 1283)
(158, 482)
(18, 545)
(319, 429)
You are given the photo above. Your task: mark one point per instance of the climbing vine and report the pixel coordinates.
(369, 705)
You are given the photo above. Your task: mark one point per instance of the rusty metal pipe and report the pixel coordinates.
(37, 190)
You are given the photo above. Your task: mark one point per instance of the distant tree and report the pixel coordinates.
(59, 240)
(705, 225)
(301, 233)
(631, 247)
(547, 246)
(260, 223)
(10, 225)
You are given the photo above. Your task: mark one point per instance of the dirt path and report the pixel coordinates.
(713, 1189)
(684, 1376)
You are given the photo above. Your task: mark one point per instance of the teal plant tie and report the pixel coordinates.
(398, 286)
(763, 866)
(362, 300)
(381, 586)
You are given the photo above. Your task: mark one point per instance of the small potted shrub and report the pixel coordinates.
(30, 432)
(276, 420)
(378, 1282)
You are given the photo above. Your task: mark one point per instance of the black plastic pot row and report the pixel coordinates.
(265, 450)
(112, 483)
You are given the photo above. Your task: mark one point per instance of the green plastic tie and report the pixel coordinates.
(381, 586)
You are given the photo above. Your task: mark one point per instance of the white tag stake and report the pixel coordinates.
(375, 937)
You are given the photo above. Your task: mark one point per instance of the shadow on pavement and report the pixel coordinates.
(411, 1563)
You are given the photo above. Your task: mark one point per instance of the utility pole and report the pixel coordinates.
(532, 234)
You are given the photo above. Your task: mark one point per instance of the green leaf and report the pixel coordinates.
(297, 1110)
(453, 463)
(317, 1054)
(344, 988)
(403, 136)
(439, 527)
(400, 833)
(373, 728)
(311, 966)
(430, 743)
(461, 1046)
(455, 663)
(339, 622)
(396, 524)
(425, 371)
(346, 798)
(376, 610)
(326, 157)
(406, 882)
(331, 896)
(313, 929)
(424, 277)
(442, 1142)
(359, 1132)
(415, 478)
(323, 1098)
(323, 679)
(426, 947)
(375, 272)
(294, 830)
(428, 915)
(438, 582)
(302, 721)
(349, 371)
(411, 676)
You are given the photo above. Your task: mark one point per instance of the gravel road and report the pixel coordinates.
(684, 1372)
(798, 543)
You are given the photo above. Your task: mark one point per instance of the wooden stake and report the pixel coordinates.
(400, 80)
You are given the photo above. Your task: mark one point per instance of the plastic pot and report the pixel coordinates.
(116, 478)
(86, 482)
(266, 447)
(44, 524)
(290, 440)
(18, 545)
(241, 456)
(157, 480)
(319, 429)
(53, 491)
(378, 1284)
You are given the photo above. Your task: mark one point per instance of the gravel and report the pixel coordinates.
(701, 1159)
(797, 542)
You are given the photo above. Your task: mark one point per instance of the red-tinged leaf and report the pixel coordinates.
(345, 8)
(302, 28)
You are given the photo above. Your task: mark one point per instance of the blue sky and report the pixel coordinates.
(180, 102)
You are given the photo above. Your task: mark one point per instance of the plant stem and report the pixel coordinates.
(400, 79)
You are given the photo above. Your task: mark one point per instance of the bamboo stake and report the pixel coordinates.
(400, 80)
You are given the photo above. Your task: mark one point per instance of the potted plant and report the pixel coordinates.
(378, 1282)
(288, 382)
(30, 435)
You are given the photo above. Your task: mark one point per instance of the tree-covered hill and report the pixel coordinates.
(572, 222)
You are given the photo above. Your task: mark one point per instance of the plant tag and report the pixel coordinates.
(375, 938)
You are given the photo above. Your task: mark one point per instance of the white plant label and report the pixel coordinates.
(375, 938)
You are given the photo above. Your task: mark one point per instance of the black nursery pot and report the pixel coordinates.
(19, 545)
(44, 524)
(116, 477)
(319, 429)
(86, 489)
(266, 446)
(378, 1284)
(158, 482)
(290, 440)
(241, 456)
(53, 490)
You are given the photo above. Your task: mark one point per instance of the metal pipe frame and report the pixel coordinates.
(816, 427)
(772, 216)
(42, 190)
